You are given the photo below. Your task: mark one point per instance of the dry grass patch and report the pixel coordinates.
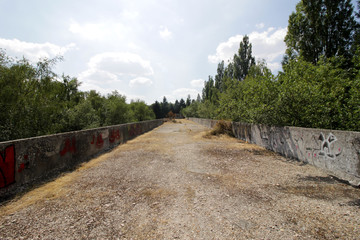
(221, 128)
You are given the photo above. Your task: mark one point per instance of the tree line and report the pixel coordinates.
(164, 109)
(319, 85)
(35, 101)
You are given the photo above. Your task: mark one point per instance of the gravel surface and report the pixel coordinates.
(172, 183)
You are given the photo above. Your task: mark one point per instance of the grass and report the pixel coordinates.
(221, 128)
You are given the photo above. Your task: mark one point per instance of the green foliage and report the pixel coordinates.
(244, 60)
(251, 100)
(35, 101)
(315, 95)
(320, 28)
(141, 111)
(321, 95)
(82, 116)
(117, 111)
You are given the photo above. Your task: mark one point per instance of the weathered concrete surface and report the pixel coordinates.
(172, 183)
(335, 151)
(25, 161)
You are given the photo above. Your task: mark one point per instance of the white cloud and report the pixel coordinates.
(268, 45)
(121, 63)
(133, 46)
(260, 25)
(106, 69)
(140, 81)
(183, 93)
(86, 86)
(226, 50)
(197, 83)
(97, 76)
(131, 15)
(165, 33)
(33, 51)
(99, 30)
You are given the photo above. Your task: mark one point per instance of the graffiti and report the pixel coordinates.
(326, 144)
(114, 135)
(327, 148)
(99, 141)
(134, 130)
(24, 165)
(7, 166)
(69, 146)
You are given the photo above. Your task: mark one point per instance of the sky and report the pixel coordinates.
(144, 49)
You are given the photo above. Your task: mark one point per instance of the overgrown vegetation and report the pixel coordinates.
(319, 86)
(221, 128)
(35, 101)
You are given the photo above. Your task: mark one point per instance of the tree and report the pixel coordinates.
(177, 107)
(165, 107)
(117, 111)
(156, 107)
(188, 100)
(320, 27)
(219, 76)
(243, 61)
(140, 111)
(198, 98)
(182, 104)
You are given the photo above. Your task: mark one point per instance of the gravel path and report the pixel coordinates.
(172, 183)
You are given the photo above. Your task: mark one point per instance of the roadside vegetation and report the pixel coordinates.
(319, 85)
(35, 101)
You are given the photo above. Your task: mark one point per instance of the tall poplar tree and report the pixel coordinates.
(243, 61)
(320, 28)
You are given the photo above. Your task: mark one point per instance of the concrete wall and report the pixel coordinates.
(25, 161)
(335, 151)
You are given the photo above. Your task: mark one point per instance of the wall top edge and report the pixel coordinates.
(76, 132)
(289, 127)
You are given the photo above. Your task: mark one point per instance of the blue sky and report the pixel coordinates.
(143, 49)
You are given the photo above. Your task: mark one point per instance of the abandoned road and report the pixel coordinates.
(174, 183)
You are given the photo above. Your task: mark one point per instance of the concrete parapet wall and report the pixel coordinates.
(24, 161)
(335, 151)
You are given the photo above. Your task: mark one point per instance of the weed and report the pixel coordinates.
(221, 128)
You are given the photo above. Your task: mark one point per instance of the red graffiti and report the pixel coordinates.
(21, 168)
(135, 130)
(7, 166)
(99, 141)
(114, 135)
(69, 146)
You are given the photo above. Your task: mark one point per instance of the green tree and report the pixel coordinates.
(317, 96)
(141, 111)
(320, 28)
(165, 107)
(243, 61)
(177, 107)
(182, 103)
(117, 111)
(219, 76)
(98, 104)
(188, 100)
(156, 107)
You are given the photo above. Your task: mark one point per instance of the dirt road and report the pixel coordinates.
(173, 183)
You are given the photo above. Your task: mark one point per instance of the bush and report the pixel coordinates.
(222, 128)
